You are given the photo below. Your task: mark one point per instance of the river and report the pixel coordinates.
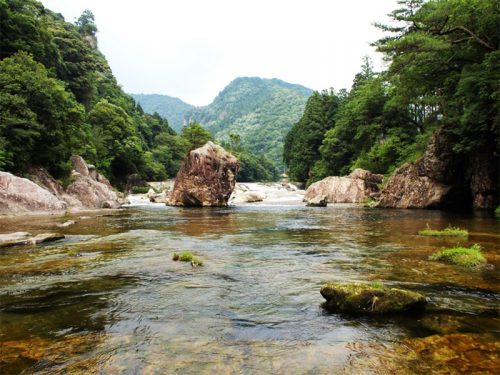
(110, 299)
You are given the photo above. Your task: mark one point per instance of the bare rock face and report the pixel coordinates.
(79, 165)
(43, 179)
(19, 195)
(354, 188)
(442, 179)
(407, 189)
(206, 178)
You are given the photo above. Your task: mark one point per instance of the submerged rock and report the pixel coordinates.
(360, 298)
(206, 178)
(25, 238)
(354, 188)
(66, 224)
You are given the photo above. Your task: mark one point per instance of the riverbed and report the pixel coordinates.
(109, 298)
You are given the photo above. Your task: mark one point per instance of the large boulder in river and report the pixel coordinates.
(441, 178)
(206, 178)
(366, 299)
(18, 195)
(354, 188)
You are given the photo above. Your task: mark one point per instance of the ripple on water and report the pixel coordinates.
(254, 307)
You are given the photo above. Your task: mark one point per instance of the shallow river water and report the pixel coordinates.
(110, 299)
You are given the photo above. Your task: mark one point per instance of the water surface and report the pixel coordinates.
(109, 299)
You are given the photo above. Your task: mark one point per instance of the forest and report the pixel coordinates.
(443, 73)
(59, 97)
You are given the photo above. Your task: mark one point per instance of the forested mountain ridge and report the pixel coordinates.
(260, 111)
(169, 107)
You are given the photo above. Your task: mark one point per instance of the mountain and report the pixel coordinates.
(261, 111)
(173, 109)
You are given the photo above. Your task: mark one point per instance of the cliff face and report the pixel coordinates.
(443, 179)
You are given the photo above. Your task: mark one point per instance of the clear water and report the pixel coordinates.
(109, 299)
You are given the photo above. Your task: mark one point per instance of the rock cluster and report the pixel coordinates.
(354, 188)
(42, 193)
(206, 178)
(442, 179)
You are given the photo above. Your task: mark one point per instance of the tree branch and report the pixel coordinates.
(472, 35)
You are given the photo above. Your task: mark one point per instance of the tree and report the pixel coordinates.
(40, 122)
(118, 150)
(301, 149)
(444, 63)
(196, 135)
(86, 23)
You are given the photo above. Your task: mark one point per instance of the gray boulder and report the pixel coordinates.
(20, 195)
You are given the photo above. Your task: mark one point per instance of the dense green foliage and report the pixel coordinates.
(173, 109)
(58, 97)
(253, 167)
(444, 72)
(261, 111)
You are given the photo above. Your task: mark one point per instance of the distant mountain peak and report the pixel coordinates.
(260, 110)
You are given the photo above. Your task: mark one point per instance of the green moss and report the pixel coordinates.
(370, 203)
(461, 256)
(497, 211)
(450, 231)
(186, 256)
(376, 285)
(370, 299)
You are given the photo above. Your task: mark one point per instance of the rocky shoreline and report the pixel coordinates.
(41, 194)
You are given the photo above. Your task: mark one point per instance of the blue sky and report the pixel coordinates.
(192, 49)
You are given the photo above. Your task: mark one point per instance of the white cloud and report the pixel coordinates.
(193, 48)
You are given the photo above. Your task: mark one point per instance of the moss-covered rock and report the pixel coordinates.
(367, 299)
(461, 256)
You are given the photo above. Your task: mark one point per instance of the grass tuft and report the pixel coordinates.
(186, 256)
(461, 256)
(450, 231)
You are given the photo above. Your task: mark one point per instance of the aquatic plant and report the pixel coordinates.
(186, 256)
(450, 231)
(461, 256)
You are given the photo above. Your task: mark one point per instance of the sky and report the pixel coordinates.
(192, 49)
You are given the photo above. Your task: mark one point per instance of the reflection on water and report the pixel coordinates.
(109, 298)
